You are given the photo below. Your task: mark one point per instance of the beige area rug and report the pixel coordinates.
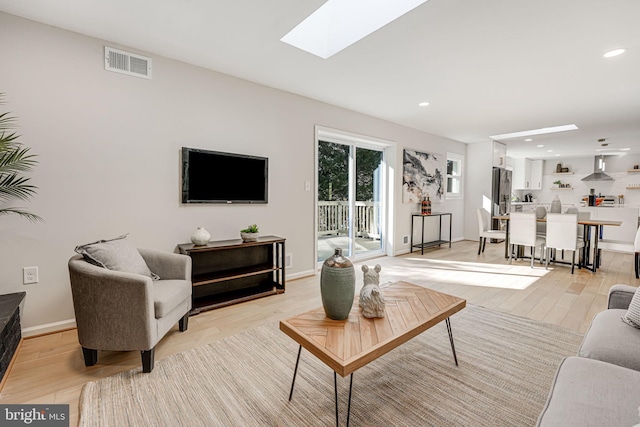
(506, 368)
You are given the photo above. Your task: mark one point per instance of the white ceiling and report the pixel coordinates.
(487, 67)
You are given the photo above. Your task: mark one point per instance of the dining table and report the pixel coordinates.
(588, 224)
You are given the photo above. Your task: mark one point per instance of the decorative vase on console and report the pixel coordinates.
(200, 236)
(337, 286)
(556, 205)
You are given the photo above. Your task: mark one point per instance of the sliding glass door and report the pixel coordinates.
(350, 198)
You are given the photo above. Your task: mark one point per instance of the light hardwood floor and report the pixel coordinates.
(50, 368)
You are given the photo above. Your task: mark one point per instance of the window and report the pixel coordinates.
(454, 175)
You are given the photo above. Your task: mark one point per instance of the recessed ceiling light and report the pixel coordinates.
(540, 131)
(528, 140)
(549, 151)
(423, 104)
(338, 24)
(540, 145)
(625, 149)
(614, 52)
(556, 155)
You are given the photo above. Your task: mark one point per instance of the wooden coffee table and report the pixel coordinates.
(347, 345)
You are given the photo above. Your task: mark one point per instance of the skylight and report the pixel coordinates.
(338, 24)
(532, 132)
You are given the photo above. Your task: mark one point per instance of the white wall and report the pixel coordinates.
(478, 179)
(108, 147)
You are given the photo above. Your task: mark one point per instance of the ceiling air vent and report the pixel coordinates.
(127, 63)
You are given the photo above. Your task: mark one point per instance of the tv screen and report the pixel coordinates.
(215, 177)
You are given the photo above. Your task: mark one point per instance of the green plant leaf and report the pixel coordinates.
(250, 229)
(18, 211)
(14, 161)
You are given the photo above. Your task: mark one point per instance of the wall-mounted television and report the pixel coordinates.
(216, 177)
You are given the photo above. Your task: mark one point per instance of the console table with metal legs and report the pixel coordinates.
(439, 241)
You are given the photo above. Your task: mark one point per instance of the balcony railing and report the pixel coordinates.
(333, 218)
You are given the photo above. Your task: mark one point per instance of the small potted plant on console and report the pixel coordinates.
(250, 234)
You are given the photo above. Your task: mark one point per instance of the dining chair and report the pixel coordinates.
(562, 233)
(583, 216)
(485, 230)
(523, 232)
(624, 246)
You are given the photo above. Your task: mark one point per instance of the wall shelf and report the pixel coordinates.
(633, 188)
(562, 188)
(562, 173)
(633, 170)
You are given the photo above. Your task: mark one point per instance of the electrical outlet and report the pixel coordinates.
(288, 260)
(29, 275)
(405, 239)
(307, 186)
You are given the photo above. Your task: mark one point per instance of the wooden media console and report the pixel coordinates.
(231, 271)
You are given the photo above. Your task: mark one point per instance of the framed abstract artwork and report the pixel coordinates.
(422, 174)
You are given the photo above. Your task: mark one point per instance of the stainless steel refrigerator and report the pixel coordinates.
(500, 195)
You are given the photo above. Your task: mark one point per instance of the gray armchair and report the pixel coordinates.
(119, 311)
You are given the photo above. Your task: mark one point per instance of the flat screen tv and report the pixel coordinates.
(215, 177)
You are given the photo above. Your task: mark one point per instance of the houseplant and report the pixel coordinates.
(15, 160)
(557, 183)
(250, 234)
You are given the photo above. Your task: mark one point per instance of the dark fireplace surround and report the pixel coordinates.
(11, 334)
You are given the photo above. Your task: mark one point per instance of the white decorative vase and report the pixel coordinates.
(556, 205)
(200, 236)
(249, 237)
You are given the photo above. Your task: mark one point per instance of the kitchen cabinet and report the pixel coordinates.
(536, 174)
(499, 155)
(527, 174)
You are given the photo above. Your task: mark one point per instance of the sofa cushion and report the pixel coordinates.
(115, 254)
(168, 294)
(588, 392)
(611, 340)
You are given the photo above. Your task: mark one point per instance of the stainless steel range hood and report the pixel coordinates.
(598, 171)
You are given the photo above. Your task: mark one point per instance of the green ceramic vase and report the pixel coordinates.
(337, 286)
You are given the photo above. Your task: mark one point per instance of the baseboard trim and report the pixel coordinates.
(300, 274)
(48, 328)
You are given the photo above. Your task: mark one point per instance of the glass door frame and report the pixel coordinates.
(355, 141)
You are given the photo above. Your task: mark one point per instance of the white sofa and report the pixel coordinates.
(600, 386)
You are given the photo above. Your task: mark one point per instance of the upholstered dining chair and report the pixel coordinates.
(562, 233)
(124, 311)
(623, 246)
(523, 231)
(484, 230)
